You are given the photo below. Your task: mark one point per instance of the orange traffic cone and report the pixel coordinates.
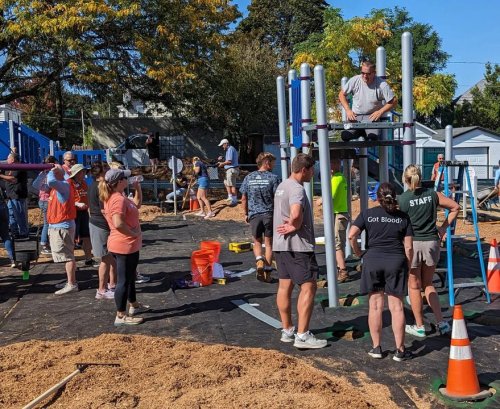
(493, 278)
(462, 383)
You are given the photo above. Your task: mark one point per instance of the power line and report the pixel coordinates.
(472, 62)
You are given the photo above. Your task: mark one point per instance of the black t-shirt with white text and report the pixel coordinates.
(385, 232)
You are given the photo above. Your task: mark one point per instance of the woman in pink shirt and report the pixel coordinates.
(124, 242)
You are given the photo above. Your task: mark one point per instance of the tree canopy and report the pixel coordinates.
(345, 43)
(484, 109)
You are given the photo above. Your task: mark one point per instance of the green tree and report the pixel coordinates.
(282, 24)
(484, 109)
(240, 95)
(345, 43)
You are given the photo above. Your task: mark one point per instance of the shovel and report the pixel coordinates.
(80, 367)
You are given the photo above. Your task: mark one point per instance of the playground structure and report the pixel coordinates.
(34, 147)
(301, 126)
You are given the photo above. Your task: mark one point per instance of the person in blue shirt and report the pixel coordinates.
(232, 168)
(257, 199)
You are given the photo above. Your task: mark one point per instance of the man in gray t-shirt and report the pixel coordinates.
(293, 246)
(371, 99)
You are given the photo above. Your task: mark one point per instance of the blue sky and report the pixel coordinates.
(469, 30)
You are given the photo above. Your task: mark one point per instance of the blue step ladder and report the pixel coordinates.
(463, 170)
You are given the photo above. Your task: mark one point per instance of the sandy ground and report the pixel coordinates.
(163, 372)
(166, 373)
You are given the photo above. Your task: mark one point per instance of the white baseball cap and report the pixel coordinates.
(223, 142)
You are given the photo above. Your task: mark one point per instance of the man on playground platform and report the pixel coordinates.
(293, 245)
(371, 99)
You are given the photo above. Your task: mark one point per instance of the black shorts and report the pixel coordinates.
(82, 225)
(297, 266)
(385, 272)
(262, 224)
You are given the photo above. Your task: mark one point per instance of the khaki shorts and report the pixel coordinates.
(425, 252)
(62, 244)
(231, 175)
(341, 222)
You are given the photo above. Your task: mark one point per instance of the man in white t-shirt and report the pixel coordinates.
(371, 99)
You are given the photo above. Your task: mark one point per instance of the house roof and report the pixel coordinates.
(467, 95)
(461, 131)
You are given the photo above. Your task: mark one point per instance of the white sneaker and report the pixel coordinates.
(287, 335)
(201, 214)
(209, 215)
(126, 320)
(61, 285)
(309, 341)
(139, 309)
(68, 288)
(106, 295)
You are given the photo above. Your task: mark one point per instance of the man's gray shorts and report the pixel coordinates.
(231, 175)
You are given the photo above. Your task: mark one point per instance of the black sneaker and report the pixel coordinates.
(401, 356)
(91, 263)
(376, 352)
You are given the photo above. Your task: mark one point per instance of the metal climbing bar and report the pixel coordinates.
(454, 289)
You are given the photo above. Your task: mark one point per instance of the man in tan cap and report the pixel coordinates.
(232, 167)
(82, 232)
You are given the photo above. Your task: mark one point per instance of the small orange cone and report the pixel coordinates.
(493, 277)
(462, 383)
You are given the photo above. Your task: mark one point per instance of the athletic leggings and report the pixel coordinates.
(126, 266)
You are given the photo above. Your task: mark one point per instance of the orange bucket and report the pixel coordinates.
(193, 205)
(215, 246)
(201, 266)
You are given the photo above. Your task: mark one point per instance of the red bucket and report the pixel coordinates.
(215, 246)
(201, 266)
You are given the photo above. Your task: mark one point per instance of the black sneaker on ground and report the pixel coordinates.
(91, 263)
(376, 352)
(401, 356)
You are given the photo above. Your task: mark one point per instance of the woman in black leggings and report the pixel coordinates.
(124, 241)
(389, 250)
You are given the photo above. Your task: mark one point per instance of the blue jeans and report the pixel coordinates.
(17, 217)
(4, 230)
(179, 192)
(44, 240)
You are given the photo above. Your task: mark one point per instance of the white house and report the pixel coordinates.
(8, 112)
(479, 146)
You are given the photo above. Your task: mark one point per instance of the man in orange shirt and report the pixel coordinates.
(437, 165)
(61, 213)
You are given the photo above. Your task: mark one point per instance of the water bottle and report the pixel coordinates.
(133, 179)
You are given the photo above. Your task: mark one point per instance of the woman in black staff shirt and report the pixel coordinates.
(389, 250)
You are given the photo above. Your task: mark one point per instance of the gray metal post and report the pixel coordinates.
(326, 186)
(343, 82)
(174, 184)
(383, 164)
(409, 148)
(448, 140)
(11, 137)
(346, 166)
(292, 75)
(347, 163)
(280, 88)
(305, 103)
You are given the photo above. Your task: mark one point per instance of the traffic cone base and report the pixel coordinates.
(493, 275)
(484, 394)
(462, 383)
